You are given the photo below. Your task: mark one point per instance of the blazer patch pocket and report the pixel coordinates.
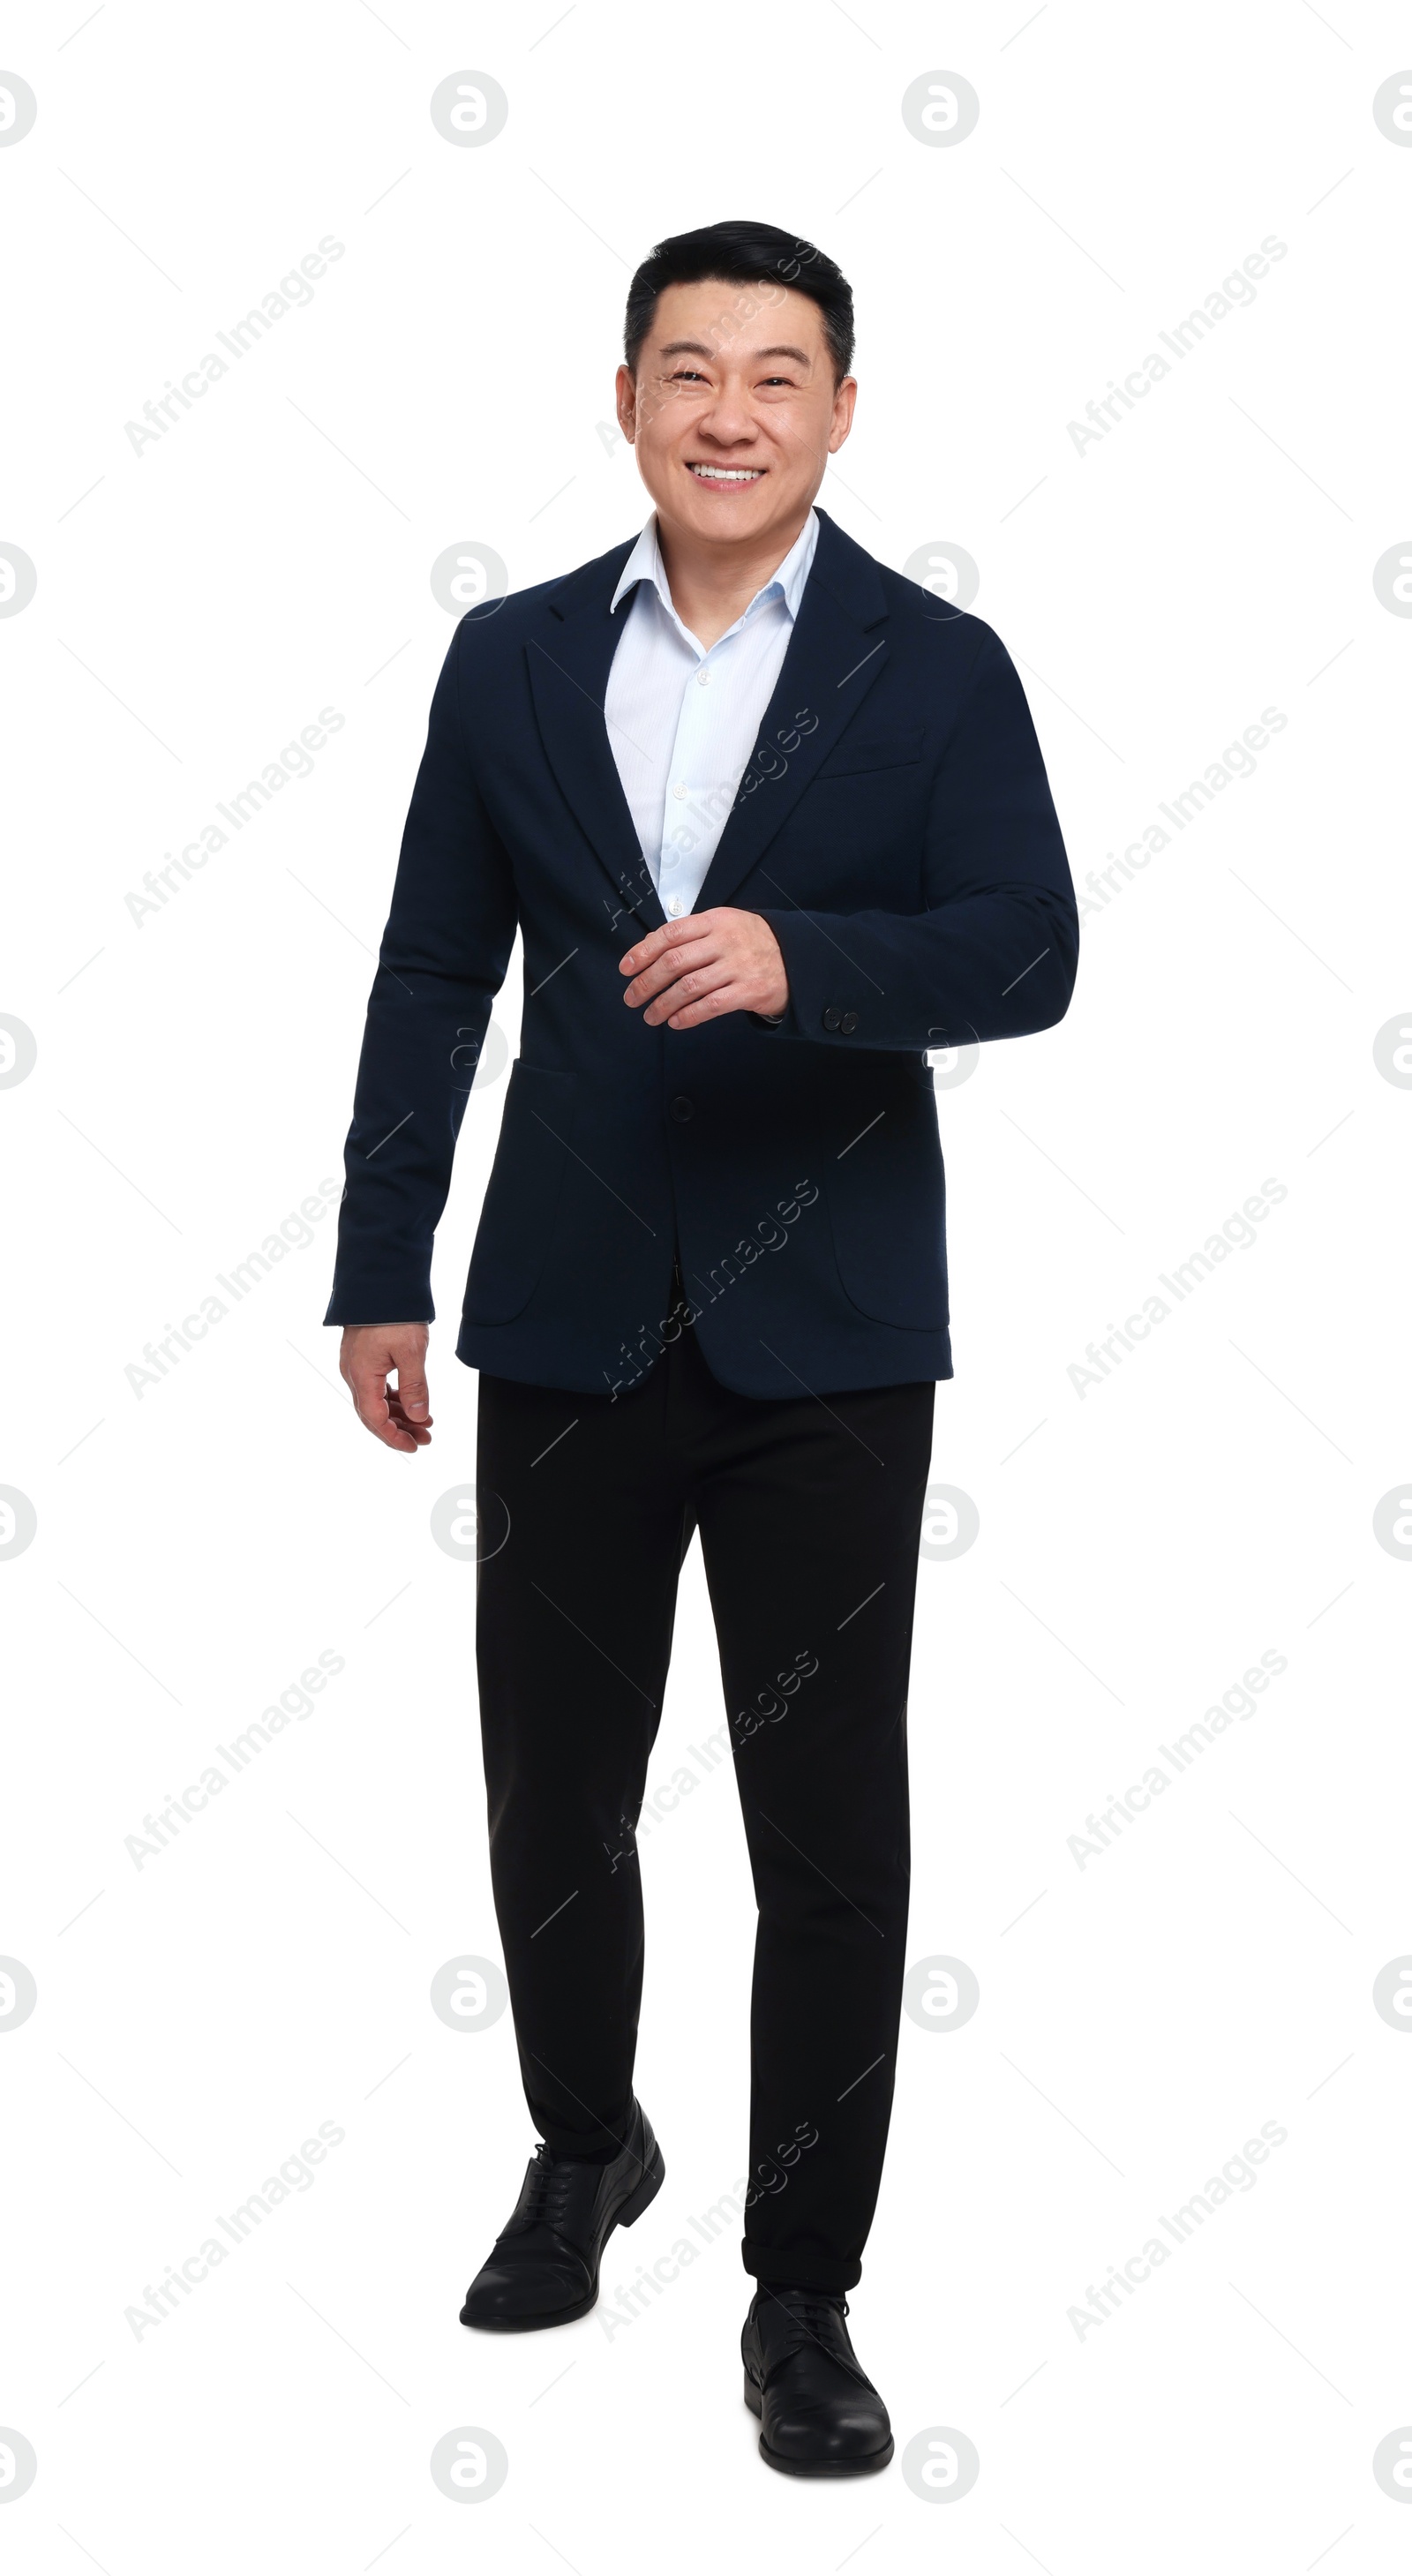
(522, 1195)
(898, 751)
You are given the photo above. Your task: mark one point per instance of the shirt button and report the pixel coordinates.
(680, 788)
(849, 1023)
(682, 1110)
(832, 1016)
(703, 678)
(676, 907)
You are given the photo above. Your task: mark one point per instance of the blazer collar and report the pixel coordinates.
(834, 655)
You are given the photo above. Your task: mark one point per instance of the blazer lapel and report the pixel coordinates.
(568, 673)
(834, 655)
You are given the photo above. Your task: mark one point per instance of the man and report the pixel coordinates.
(771, 822)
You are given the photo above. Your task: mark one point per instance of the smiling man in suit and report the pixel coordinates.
(771, 822)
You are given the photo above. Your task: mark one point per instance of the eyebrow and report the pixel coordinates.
(698, 349)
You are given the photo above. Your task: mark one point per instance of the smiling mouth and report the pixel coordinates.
(733, 476)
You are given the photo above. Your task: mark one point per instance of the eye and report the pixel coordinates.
(687, 375)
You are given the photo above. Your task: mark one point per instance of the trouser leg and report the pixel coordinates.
(573, 1636)
(810, 1522)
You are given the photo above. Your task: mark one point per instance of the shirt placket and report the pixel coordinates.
(685, 812)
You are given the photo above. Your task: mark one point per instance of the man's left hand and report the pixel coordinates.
(707, 963)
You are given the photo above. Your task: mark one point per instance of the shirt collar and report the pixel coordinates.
(786, 582)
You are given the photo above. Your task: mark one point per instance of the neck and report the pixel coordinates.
(712, 585)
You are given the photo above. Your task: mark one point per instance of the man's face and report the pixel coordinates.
(734, 412)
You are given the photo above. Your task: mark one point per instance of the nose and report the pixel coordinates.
(728, 419)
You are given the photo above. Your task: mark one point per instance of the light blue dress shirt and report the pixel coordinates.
(683, 721)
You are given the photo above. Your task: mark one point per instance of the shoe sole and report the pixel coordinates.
(860, 2468)
(631, 2211)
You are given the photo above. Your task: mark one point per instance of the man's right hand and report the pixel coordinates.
(368, 1355)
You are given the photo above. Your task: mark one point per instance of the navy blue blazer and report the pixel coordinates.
(894, 827)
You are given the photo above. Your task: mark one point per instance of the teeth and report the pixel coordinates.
(729, 473)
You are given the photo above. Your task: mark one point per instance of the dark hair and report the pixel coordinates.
(746, 255)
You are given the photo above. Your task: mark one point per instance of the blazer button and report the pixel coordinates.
(682, 1109)
(833, 1017)
(849, 1023)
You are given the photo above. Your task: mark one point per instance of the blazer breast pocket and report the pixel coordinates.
(893, 751)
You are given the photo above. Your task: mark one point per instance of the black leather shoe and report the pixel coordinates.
(819, 2416)
(543, 2268)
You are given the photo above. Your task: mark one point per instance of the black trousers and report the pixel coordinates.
(810, 1514)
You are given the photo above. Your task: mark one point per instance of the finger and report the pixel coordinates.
(687, 954)
(371, 1405)
(725, 997)
(643, 953)
(395, 1406)
(692, 925)
(689, 988)
(412, 1390)
(682, 950)
(417, 1425)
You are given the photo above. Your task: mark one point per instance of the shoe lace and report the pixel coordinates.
(549, 2194)
(804, 2319)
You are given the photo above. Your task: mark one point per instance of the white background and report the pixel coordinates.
(1141, 1544)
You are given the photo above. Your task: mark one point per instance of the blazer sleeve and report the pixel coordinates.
(442, 961)
(994, 952)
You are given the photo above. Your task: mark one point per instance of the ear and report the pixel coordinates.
(843, 402)
(625, 392)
